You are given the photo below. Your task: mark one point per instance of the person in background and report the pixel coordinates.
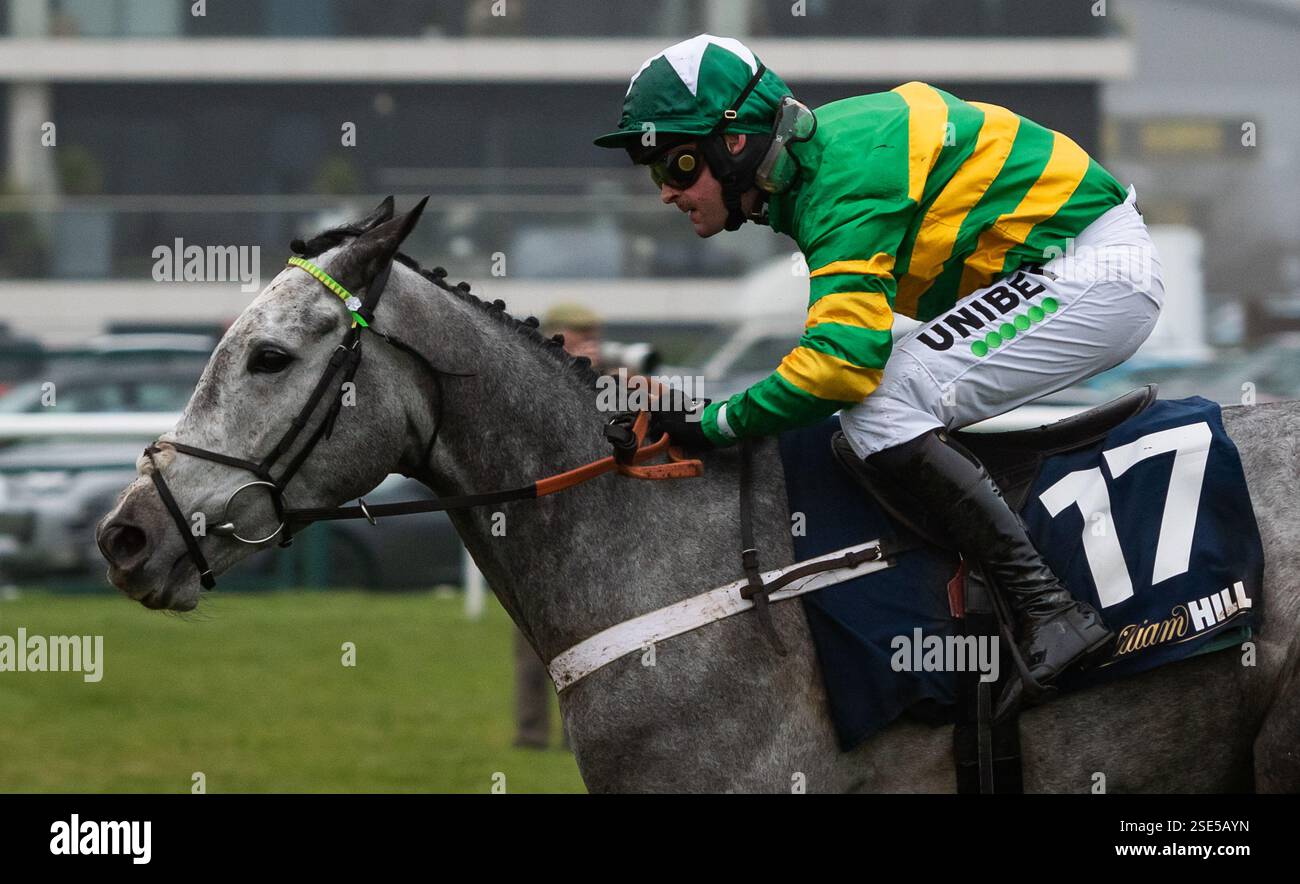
(581, 328)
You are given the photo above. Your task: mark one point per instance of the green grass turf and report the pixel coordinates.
(251, 691)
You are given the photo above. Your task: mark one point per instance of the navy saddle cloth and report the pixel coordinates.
(1151, 524)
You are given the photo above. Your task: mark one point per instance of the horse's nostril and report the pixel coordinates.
(122, 543)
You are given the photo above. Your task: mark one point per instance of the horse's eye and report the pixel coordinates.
(269, 361)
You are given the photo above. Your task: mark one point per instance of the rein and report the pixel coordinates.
(677, 467)
(626, 433)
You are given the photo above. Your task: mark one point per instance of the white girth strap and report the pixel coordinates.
(634, 635)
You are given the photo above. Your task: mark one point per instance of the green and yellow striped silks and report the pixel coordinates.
(908, 201)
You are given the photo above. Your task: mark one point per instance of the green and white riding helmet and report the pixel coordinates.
(702, 89)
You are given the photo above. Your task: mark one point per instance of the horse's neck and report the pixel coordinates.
(524, 415)
(572, 563)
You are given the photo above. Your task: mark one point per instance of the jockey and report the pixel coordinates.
(1027, 263)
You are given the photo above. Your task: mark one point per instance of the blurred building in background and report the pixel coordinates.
(130, 125)
(227, 129)
(1207, 128)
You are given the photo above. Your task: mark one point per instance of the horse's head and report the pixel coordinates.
(259, 379)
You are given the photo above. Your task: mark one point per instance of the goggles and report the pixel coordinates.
(678, 169)
(795, 123)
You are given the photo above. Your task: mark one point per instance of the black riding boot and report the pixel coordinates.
(962, 505)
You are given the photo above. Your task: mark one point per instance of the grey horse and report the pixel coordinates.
(717, 710)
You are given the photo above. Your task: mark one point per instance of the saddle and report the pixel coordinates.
(1178, 572)
(987, 753)
(1014, 457)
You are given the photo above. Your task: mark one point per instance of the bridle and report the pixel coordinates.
(342, 368)
(626, 432)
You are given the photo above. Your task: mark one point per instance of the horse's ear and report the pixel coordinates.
(405, 224)
(381, 242)
(382, 213)
(366, 255)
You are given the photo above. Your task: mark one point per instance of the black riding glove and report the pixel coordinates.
(619, 433)
(682, 424)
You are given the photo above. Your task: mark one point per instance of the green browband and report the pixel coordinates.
(351, 301)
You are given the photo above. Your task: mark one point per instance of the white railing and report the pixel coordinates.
(150, 425)
(144, 425)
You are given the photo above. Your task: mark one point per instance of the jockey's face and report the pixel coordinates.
(702, 201)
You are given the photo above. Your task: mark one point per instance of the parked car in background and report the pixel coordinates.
(53, 490)
(107, 387)
(20, 359)
(1268, 373)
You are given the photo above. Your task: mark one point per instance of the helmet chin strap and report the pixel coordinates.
(735, 172)
(735, 216)
(731, 196)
